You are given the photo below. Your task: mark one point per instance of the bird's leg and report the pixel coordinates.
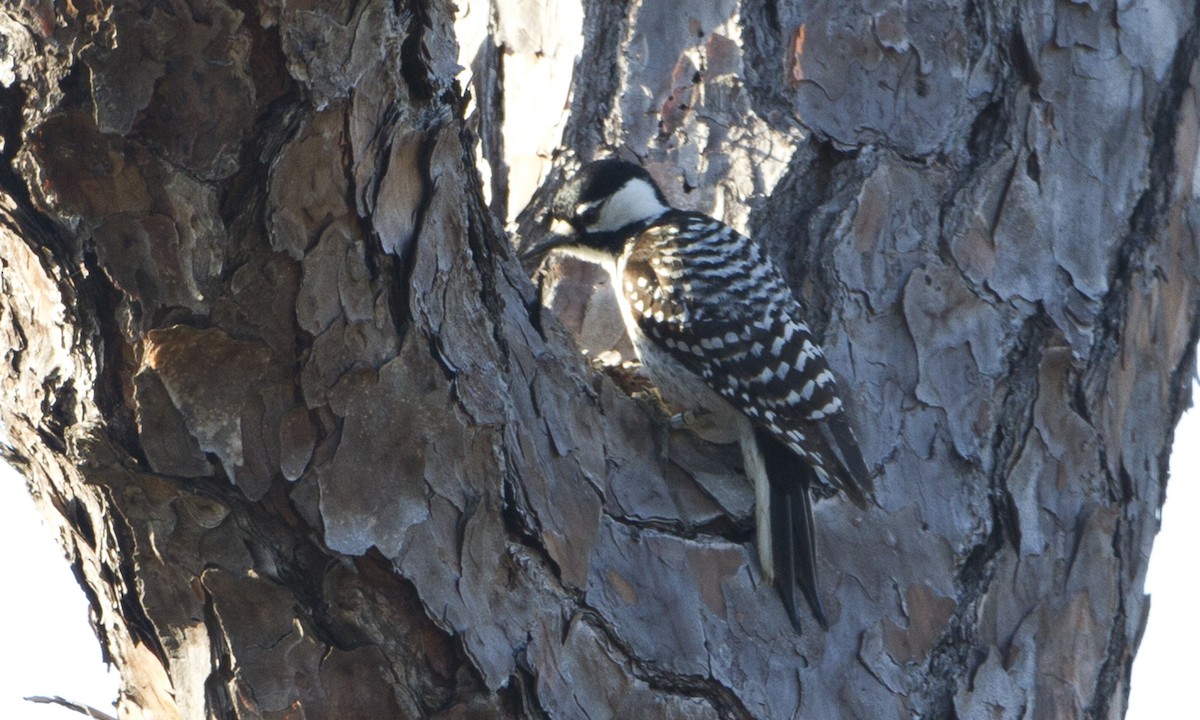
(630, 377)
(672, 419)
(664, 447)
(670, 422)
(686, 418)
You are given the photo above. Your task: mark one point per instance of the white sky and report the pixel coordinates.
(52, 650)
(51, 647)
(1166, 664)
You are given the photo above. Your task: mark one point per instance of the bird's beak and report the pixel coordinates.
(561, 233)
(562, 228)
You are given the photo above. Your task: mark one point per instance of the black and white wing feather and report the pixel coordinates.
(717, 304)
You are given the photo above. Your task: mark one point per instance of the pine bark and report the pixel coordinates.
(314, 447)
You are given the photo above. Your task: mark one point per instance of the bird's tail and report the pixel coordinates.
(850, 470)
(793, 539)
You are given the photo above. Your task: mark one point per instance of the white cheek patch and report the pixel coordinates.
(636, 201)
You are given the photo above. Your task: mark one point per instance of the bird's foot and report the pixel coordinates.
(686, 419)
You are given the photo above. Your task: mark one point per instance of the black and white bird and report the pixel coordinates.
(721, 336)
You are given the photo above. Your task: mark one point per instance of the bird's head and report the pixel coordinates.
(601, 206)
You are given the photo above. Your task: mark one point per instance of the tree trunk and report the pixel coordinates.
(314, 448)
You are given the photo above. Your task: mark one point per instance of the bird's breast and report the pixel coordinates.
(714, 419)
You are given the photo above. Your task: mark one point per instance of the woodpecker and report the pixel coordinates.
(721, 336)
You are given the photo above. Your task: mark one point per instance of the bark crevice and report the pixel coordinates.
(312, 443)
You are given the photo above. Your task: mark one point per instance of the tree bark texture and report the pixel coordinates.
(315, 449)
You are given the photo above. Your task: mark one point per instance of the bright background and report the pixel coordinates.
(51, 649)
(1167, 665)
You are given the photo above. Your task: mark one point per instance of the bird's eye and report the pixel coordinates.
(587, 214)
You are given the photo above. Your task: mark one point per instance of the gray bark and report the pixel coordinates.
(316, 450)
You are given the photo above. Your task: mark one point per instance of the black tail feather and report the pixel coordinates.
(784, 552)
(793, 534)
(806, 544)
(856, 480)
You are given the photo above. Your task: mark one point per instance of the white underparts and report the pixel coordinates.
(756, 472)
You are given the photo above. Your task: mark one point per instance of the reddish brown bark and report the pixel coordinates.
(271, 365)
